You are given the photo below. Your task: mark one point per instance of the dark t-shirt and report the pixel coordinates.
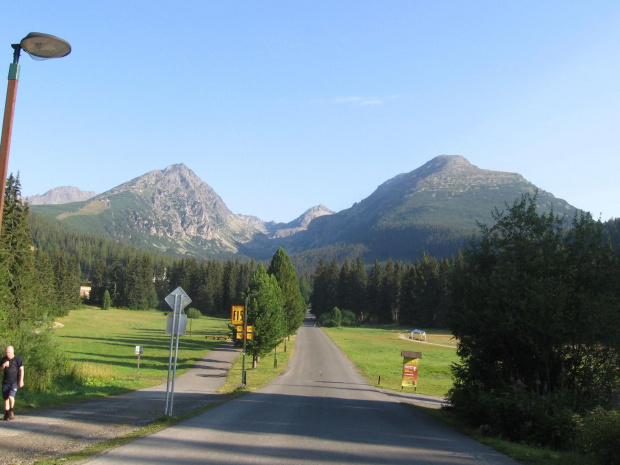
(11, 373)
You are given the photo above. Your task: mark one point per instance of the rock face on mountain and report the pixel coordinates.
(432, 209)
(177, 211)
(60, 195)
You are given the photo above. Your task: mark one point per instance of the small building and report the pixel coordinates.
(85, 292)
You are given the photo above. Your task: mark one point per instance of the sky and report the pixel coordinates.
(283, 105)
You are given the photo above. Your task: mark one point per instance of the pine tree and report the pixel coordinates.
(265, 314)
(294, 305)
(375, 281)
(106, 301)
(359, 294)
(17, 256)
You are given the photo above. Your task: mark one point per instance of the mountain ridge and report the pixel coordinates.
(432, 208)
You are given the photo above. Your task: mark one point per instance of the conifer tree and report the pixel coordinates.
(357, 287)
(18, 260)
(265, 314)
(294, 305)
(374, 290)
(107, 300)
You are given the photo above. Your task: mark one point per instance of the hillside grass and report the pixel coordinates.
(376, 351)
(102, 345)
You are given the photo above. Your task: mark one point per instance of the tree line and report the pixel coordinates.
(393, 292)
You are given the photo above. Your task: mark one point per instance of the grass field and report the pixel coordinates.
(102, 344)
(376, 352)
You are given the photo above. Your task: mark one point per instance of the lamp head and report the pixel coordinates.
(44, 46)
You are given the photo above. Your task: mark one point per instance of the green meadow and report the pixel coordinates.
(102, 344)
(376, 351)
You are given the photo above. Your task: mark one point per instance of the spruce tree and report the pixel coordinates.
(265, 314)
(294, 305)
(18, 260)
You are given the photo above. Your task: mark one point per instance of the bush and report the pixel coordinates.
(598, 433)
(44, 361)
(193, 313)
(518, 415)
(348, 318)
(331, 319)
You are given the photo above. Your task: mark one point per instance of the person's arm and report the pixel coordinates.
(5, 364)
(21, 376)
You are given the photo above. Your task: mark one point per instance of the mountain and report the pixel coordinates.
(433, 208)
(60, 195)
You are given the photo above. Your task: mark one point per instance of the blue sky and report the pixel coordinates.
(283, 105)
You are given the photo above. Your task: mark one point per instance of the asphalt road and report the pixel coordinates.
(319, 411)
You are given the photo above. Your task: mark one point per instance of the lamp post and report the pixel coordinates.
(245, 331)
(38, 46)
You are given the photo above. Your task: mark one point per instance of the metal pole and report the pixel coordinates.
(245, 332)
(7, 123)
(174, 314)
(176, 352)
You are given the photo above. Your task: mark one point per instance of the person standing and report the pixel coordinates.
(13, 379)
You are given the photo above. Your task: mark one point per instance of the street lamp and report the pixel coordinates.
(245, 331)
(40, 47)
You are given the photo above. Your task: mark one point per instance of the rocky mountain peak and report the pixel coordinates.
(60, 195)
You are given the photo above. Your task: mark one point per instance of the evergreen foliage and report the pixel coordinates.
(29, 293)
(107, 300)
(536, 311)
(265, 314)
(294, 304)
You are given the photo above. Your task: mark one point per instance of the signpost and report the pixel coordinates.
(177, 300)
(138, 353)
(236, 315)
(249, 332)
(410, 369)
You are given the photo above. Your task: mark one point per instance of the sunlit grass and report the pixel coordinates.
(376, 351)
(263, 373)
(102, 345)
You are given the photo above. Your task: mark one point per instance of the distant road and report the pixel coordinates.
(321, 411)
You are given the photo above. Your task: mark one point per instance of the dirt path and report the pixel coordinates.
(56, 431)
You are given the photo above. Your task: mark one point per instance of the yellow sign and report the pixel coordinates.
(236, 315)
(249, 334)
(410, 372)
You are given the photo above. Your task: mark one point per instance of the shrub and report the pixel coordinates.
(331, 319)
(520, 415)
(348, 318)
(193, 313)
(597, 434)
(44, 361)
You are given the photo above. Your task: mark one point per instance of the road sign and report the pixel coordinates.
(181, 325)
(249, 333)
(236, 315)
(182, 299)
